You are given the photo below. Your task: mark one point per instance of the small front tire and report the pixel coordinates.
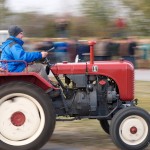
(105, 125)
(130, 128)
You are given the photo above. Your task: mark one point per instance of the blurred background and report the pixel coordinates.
(120, 27)
(84, 18)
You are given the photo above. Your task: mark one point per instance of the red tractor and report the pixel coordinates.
(102, 90)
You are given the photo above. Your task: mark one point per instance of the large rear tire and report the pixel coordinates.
(27, 117)
(130, 129)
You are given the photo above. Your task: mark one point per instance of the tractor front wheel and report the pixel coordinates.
(105, 124)
(130, 128)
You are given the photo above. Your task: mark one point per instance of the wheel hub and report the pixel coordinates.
(18, 118)
(22, 119)
(133, 130)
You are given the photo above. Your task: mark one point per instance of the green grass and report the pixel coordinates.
(142, 93)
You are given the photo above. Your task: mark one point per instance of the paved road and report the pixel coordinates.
(142, 74)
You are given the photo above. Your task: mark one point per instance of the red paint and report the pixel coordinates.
(102, 82)
(133, 130)
(18, 118)
(91, 44)
(122, 72)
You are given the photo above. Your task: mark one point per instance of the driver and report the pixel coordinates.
(12, 50)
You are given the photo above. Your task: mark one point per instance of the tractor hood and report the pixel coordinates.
(121, 71)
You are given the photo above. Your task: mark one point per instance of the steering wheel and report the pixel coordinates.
(47, 61)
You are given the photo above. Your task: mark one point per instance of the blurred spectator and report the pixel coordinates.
(100, 50)
(145, 47)
(63, 51)
(127, 50)
(123, 49)
(44, 45)
(131, 49)
(120, 26)
(28, 45)
(144, 50)
(62, 26)
(58, 54)
(83, 50)
(111, 49)
(72, 49)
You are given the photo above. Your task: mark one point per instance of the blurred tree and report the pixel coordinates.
(4, 13)
(139, 5)
(49, 29)
(99, 14)
(36, 25)
(97, 20)
(139, 16)
(80, 27)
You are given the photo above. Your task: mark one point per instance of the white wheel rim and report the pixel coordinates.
(22, 119)
(133, 130)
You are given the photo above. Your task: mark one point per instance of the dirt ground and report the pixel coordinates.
(86, 134)
(81, 135)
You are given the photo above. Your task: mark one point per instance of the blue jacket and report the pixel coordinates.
(12, 50)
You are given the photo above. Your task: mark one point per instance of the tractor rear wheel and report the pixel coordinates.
(27, 116)
(130, 129)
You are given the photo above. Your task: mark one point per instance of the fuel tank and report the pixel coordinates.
(121, 71)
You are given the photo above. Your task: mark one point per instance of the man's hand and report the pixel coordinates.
(44, 54)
